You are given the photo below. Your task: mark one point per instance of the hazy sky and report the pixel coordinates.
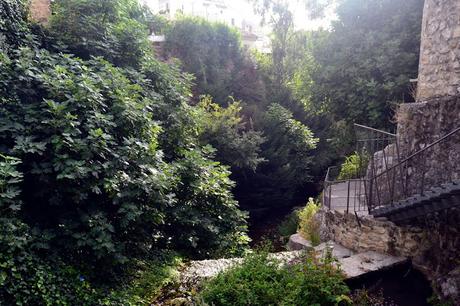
(302, 21)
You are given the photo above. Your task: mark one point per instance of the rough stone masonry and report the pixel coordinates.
(433, 244)
(439, 70)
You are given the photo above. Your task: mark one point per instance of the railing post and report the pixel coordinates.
(330, 193)
(348, 197)
(422, 187)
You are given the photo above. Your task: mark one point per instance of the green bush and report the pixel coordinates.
(29, 274)
(113, 29)
(224, 129)
(111, 159)
(289, 225)
(288, 154)
(354, 166)
(261, 280)
(308, 225)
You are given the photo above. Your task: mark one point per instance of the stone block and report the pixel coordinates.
(297, 243)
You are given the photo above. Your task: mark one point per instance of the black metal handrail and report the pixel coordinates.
(352, 193)
(354, 199)
(374, 130)
(415, 174)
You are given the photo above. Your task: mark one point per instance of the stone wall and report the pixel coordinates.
(371, 234)
(439, 71)
(40, 10)
(420, 124)
(432, 244)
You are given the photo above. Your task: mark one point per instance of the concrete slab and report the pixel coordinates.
(352, 265)
(363, 263)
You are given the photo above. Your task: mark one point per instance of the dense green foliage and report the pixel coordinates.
(224, 129)
(366, 62)
(288, 153)
(109, 157)
(213, 53)
(356, 72)
(289, 225)
(260, 280)
(113, 29)
(267, 149)
(107, 164)
(29, 273)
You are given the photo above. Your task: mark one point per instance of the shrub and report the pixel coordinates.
(110, 156)
(27, 276)
(289, 225)
(223, 128)
(261, 280)
(354, 166)
(308, 225)
(152, 276)
(288, 151)
(113, 29)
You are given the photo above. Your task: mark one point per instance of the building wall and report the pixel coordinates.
(439, 70)
(40, 10)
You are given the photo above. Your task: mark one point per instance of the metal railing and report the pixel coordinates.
(432, 165)
(388, 171)
(351, 194)
(346, 195)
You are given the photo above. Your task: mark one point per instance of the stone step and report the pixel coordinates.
(298, 243)
(436, 199)
(363, 263)
(352, 264)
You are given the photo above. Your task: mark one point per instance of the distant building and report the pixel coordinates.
(252, 35)
(40, 10)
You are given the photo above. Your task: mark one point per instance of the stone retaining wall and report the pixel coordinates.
(420, 124)
(433, 245)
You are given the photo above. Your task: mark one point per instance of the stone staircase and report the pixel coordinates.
(436, 199)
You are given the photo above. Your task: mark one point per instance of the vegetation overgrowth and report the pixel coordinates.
(103, 163)
(114, 165)
(354, 166)
(308, 223)
(262, 280)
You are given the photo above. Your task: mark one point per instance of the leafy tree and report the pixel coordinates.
(206, 221)
(13, 25)
(104, 152)
(113, 29)
(365, 64)
(288, 147)
(212, 52)
(223, 128)
(356, 72)
(207, 49)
